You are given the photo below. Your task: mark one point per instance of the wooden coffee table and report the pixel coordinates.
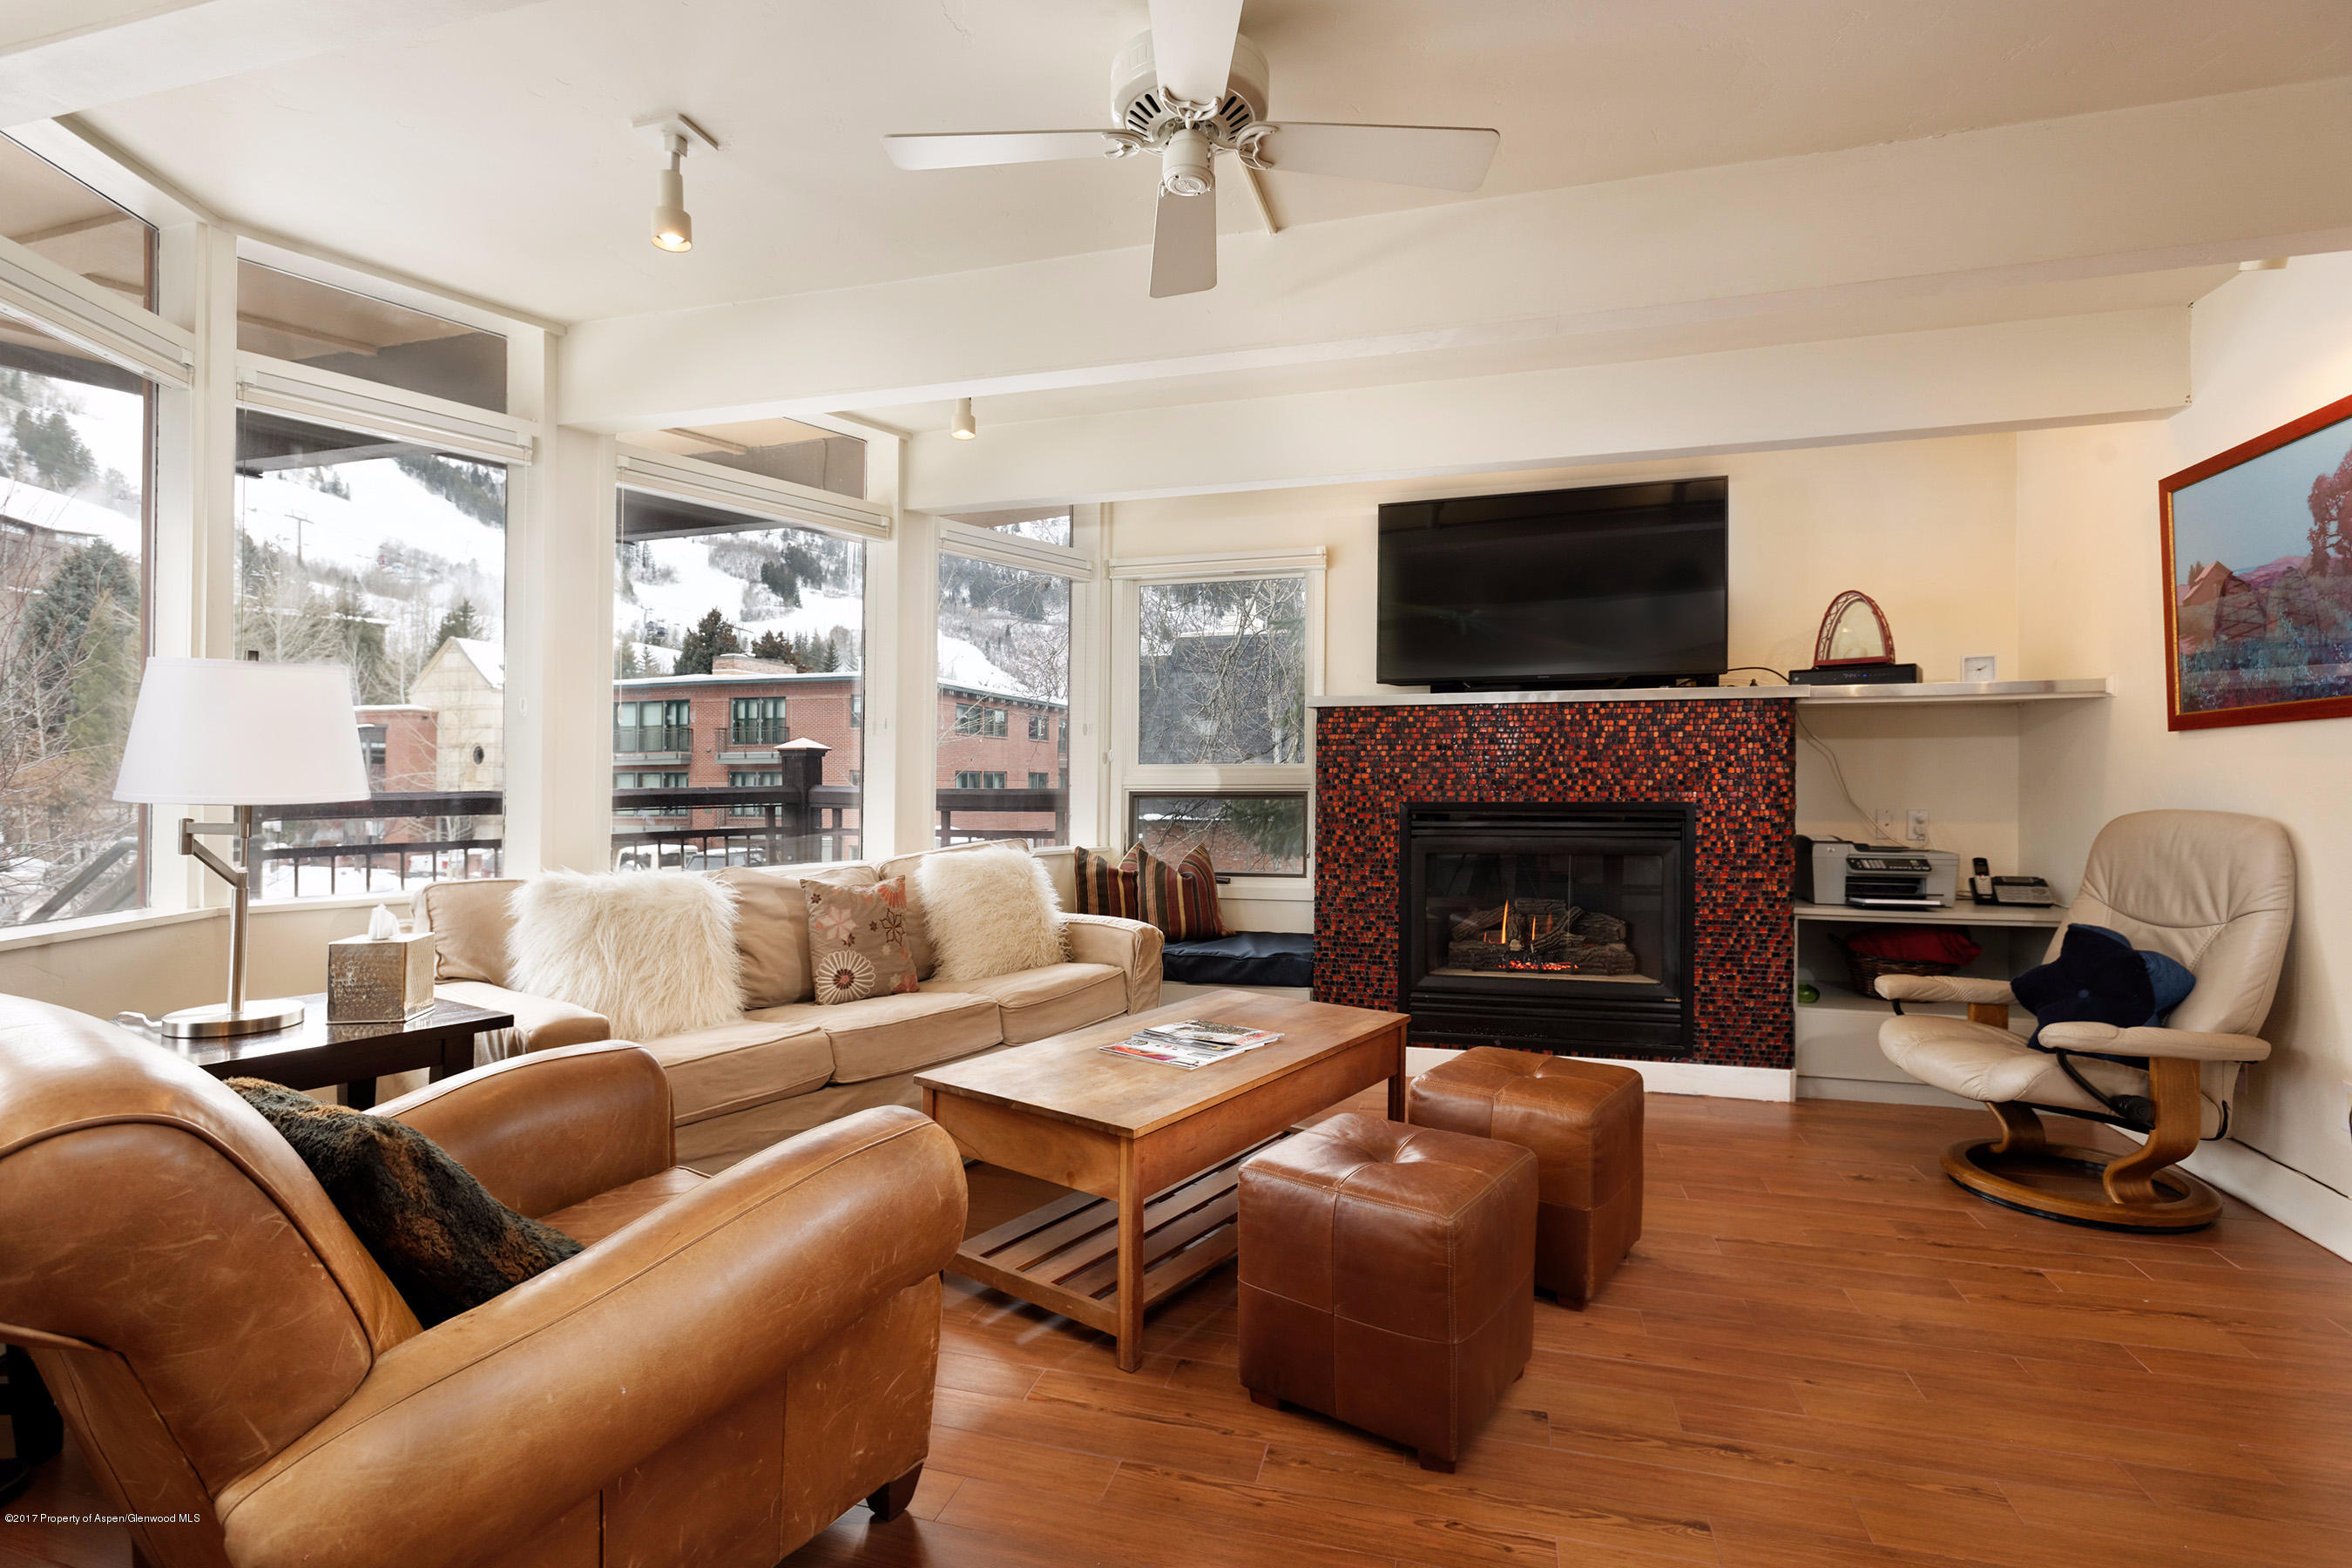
(1152, 1151)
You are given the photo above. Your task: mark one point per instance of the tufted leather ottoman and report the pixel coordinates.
(1386, 1277)
(1584, 1120)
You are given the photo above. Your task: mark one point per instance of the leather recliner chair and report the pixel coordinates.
(2214, 889)
(732, 1363)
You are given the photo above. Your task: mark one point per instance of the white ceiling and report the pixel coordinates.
(493, 154)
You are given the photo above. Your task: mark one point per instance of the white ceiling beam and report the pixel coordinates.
(2265, 172)
(61, 57)
(2009, 375)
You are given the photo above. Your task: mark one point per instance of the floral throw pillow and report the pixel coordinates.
(858, 941)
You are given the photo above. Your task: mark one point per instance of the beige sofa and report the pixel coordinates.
(792, 1063)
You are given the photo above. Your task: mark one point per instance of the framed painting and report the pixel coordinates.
(2258, 578)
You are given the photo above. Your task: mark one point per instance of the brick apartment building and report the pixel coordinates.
(721, 731)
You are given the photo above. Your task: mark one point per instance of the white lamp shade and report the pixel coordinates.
(229, 731)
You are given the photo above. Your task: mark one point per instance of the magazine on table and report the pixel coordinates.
(1192, 1043)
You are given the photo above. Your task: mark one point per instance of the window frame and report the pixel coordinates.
(1130, 777)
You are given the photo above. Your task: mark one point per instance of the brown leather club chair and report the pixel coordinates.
(731, 1363)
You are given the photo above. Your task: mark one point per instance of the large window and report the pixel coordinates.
(389, 558)
(55, 215)
(74, 454)
(1222, 664)
(1222, 673)
(1245, 834)
(1048, 525)
(1003, 644)
(737, 641)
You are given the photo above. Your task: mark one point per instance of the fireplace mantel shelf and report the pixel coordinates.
(1980, 693)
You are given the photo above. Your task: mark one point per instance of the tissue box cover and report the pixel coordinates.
(379, 980)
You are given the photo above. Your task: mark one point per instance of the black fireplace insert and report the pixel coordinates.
(1563, 928)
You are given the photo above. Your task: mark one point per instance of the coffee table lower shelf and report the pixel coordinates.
(1064, 1257)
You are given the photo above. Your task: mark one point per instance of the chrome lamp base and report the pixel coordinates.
(220, 1020)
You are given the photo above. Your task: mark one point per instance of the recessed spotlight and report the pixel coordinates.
(673, 226)
(965, 428)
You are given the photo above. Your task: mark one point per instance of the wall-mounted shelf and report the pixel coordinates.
(1969, 693)
(1970, 914)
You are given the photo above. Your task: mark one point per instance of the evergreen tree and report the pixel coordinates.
(105, 682)
(93, 591)
(773, 643)
(460, 622)
(626, 664)
(701, 647)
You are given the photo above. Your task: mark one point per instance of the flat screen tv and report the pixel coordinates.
(1614, 586)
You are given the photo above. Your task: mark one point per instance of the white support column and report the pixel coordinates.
(191, 604)
(558, 694)
(906, 573)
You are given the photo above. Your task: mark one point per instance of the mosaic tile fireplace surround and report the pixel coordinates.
(1730, 762)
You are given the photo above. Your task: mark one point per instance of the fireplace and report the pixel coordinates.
(1548, 927)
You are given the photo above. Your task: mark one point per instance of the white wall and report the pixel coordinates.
(183, 962)
(2266, 347)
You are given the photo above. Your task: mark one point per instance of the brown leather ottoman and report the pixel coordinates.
(1386, 1277)
(1584, 1120)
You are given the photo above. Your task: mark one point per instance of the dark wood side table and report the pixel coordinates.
(316, 1054)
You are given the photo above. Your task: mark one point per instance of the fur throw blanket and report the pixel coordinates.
(652, 951)
(444, 1242)
(989, 911)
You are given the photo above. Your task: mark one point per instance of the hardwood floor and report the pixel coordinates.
(1821, 1355)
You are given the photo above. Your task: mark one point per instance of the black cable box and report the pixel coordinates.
(1857, 675)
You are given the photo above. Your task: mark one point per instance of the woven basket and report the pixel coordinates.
(1865, 969)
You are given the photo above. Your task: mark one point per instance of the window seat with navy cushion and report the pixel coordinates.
(1242, 958)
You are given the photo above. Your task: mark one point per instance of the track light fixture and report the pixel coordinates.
(965, 428)
(673, 226)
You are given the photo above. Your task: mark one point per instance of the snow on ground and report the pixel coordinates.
(961, 664)
(386, 507)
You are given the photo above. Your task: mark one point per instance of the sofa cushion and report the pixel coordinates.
(885, 1034)
(919, 931)
(714, 1071)
(1035, 1003)
(468, 921)
(1242, 958)
(858, 941)
(991, 913)
(771, 926)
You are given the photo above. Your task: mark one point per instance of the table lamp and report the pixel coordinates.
(226, 731)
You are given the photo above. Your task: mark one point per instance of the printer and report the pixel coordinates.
(1874, 876)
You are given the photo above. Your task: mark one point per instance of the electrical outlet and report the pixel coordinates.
(1890, 822)
(1917, 823)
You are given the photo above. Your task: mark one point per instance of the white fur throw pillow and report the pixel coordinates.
(989, 911)
(652, 951)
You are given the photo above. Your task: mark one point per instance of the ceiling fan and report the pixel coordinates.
(1189, 89)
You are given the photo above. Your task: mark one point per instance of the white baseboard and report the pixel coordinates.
(1879, 1091)
(2308, 1208)
(1664, 1077)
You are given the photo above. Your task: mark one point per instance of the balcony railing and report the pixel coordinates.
(635, 740)
(1041, 815)
(380, 866)
(755, 733)
(784, 831)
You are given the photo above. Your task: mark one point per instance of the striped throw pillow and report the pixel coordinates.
(1181, 898)
(1108, 887)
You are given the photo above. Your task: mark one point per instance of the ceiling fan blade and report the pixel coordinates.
(960, 150)
(1192, 46)
(1184, 244)
(1451, 158)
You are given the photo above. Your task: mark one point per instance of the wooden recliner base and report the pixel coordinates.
(2138, 1190)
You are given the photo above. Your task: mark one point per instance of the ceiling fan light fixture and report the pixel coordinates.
(965, 428)
(1186, 167)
